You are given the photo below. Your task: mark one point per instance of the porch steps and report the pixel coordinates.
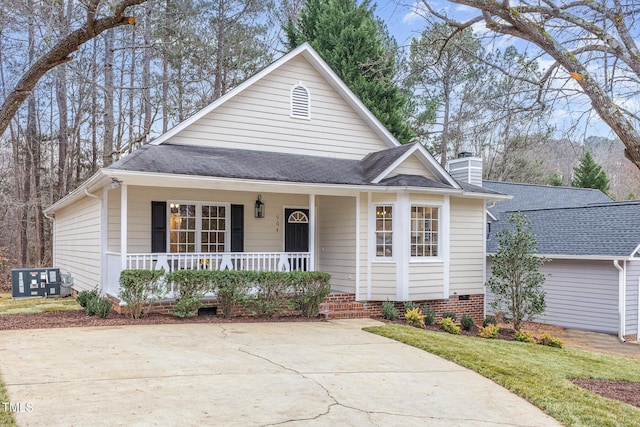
(342, 306)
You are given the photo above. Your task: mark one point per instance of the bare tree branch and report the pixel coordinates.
(535, 22)
(61, 53)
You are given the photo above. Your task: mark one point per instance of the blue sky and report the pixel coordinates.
(404, 24)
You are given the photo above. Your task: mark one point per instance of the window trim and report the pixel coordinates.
(394, 225)
(426, 259)
(198, 241)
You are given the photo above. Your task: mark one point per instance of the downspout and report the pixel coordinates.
(621, 299)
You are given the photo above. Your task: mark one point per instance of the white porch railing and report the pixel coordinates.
(253, 261)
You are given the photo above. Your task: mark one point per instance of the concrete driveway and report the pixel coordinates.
(244, 374)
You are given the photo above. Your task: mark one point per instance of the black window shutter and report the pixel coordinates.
(237, 228)
(158, 227)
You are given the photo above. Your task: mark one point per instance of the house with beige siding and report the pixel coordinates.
(288, 171)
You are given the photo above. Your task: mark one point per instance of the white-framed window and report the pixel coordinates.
(300, 102)
(384, 231)
(425, 231)
(198, 227)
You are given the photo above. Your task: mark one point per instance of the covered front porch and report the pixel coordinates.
(173, 228)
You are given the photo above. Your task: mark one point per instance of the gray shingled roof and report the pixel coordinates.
(609, 229)
(375, 163)
(244, 164)
(263, 165)
(533, 196)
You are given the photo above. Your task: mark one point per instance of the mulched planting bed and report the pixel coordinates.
(623, 391)
(78, 318)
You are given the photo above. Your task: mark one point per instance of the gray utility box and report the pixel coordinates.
(35, 282)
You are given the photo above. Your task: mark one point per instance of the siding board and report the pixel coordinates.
(77, 243)
(579, 294)
(337, 241)
(258, 118)
(467, 246)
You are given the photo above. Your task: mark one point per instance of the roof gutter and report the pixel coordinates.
(580, 257)
(621, 298)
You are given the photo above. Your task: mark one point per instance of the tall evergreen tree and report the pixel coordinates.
(443, 66)
(358, 47)
(589, 174)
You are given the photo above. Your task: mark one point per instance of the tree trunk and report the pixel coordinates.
(94, 109)
(107, 150)
(146, 72)
(63, 130)
(59, 54)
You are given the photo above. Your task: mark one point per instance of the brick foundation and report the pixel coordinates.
(632, 337)
(344, 306)
(473, 307)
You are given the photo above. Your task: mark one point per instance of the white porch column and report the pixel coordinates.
(445, 240)
(402, 244)
(371, 248)
(312, 232)
(104, 233)
(358, 247)
(123, 225)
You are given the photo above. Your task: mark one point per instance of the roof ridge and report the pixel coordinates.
(588, 206)
(565, 187)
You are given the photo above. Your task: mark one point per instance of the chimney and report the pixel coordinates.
(466, 168)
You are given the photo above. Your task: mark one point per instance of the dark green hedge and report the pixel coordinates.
(265, 293)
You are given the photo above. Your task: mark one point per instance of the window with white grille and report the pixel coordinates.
(300, 102)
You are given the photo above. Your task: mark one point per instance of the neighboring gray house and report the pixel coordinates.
(593, 276)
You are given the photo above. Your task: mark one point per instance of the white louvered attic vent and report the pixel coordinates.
(300, 102)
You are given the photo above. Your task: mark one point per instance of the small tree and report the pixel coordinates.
(589, 174)
(516, 281)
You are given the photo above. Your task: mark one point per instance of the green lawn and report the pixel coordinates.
(35, 305)
(537, 373)
(6, 419)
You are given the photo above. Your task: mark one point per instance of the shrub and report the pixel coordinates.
(410, 305)
(489, 320)
(139, 289)
(187, 306)
(450, 315)
(85, 296)
(271, 293)
(189, 287)
(490, 331)
(524, 336)
(389, 310)
(93, 303)
(429, 315)
(516, 281)
(414, 317)
(310, 289)
(467, 322)
(549, 340)
(232, 288)
(99, 306)
(447, 324)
